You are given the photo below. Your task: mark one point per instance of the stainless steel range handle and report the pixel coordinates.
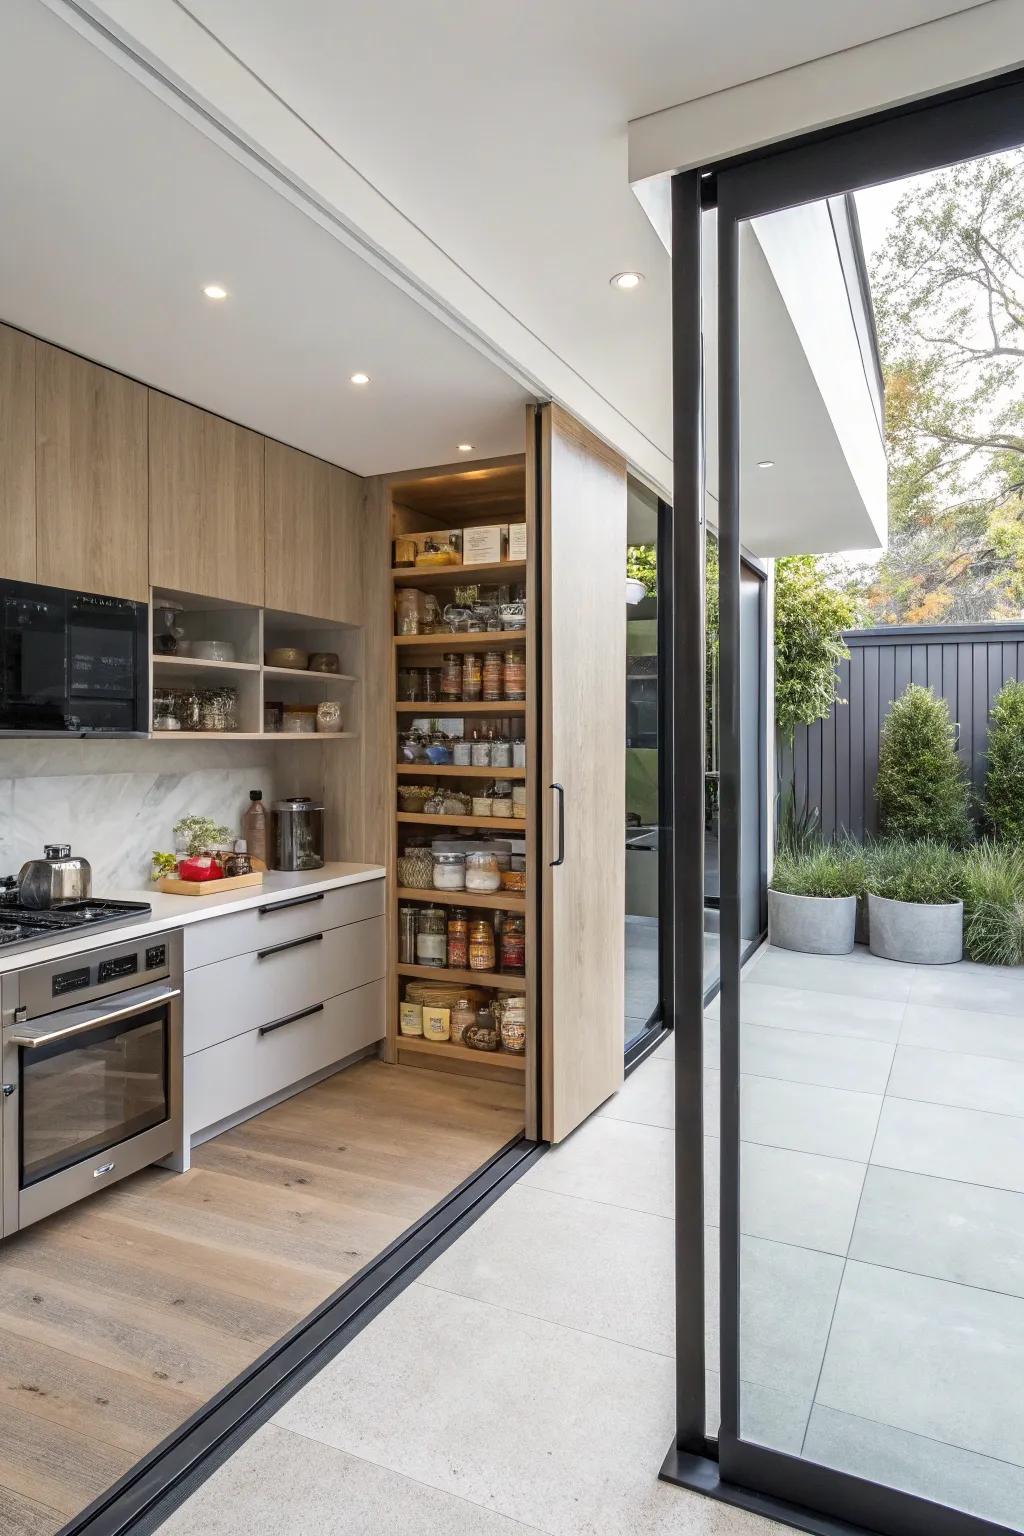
(78, 1021)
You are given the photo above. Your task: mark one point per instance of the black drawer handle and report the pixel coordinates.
(296, 901)
(304, 1013)
(279, 949)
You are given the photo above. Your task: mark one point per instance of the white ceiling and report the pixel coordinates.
(116, 212)
(499, 132)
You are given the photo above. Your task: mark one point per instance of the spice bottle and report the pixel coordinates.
(493, 676)
(515, 675)
(513, 944)
(472, 677)
(481, 945)
(458, 939)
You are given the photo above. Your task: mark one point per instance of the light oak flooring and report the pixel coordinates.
(123, 1315)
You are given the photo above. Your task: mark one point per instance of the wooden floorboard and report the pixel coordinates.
(123, 1315)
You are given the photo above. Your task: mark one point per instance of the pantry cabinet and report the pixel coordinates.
(206, 503)
(92, 504)
(17, 455)
(583, 769)
(313, 526)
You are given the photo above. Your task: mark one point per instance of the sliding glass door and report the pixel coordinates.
(849, 1231)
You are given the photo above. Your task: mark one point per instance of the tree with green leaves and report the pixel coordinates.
(921, 790)
(948, 290)
(810, 616)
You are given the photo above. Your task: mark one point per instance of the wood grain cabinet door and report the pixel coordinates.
(92, 503)
(205, 503)
(582, 788)
(17, 455)
(313, 512)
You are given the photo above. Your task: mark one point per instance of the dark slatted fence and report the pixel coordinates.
(835, 761)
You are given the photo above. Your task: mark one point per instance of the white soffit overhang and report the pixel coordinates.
(973, 43)
(161, 45)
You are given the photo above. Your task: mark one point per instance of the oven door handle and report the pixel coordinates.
(32, 1036)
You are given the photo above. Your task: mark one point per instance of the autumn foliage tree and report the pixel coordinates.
(949, 298)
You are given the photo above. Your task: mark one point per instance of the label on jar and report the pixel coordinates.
(410, 1018)
(431, 948)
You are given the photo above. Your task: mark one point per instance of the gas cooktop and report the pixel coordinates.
(21, 926)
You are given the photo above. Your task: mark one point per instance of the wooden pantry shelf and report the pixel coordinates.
(500, 901)
(489, 640)
(320, 736)
(506, 824)
(295, 674)
(444, 973)
(437, 709)
(444, 1049)
(458, 575)
(453, 771)
(201, 664)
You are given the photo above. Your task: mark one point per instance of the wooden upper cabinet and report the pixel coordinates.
(205, 503)
(17, 455)
(313, 524)
(91, 477)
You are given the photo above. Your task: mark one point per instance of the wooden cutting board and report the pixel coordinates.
(172, 886)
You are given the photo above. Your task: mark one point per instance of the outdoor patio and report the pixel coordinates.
(882, 1211)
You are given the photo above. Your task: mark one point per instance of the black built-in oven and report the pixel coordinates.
(72, 663)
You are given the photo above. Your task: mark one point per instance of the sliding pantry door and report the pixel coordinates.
(581, 522)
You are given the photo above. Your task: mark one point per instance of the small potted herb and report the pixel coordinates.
(915, 905)
(812, 899)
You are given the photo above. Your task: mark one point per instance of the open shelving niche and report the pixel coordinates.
(458, 498)
(252, 632)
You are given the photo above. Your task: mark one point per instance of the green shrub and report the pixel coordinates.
(993, 882)
(1004, 784)
(834, 869)
(799, 826)
(921, 790)
(914, 869)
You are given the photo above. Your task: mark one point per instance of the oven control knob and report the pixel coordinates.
(7, 1089)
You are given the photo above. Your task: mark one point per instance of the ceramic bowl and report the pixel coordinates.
(288, 656)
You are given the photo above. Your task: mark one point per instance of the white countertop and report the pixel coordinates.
(177, 911)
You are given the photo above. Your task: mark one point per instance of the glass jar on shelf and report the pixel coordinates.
(451, 677)
(431, 937)
(514, 674)
(493, 680)
(513, 944)
(482, 873)
(481, 945)
(458, 939)
(449, 871)
(472, 677)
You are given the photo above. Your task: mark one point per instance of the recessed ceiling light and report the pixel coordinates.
(627, 279)
(360, 378)
(766, 463)
(465, 447)
(215, 291)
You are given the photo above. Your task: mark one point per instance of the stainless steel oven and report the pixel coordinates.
(92, 1073)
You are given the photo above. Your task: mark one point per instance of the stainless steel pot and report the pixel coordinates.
(296, 834)
(56, 877)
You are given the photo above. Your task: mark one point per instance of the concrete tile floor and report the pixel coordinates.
(882, 1170)
(524, 1382)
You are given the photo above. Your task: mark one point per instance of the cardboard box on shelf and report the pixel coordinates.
(484, 545)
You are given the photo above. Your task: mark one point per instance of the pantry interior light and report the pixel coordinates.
(627, 279)
(465, 447)
(766, 463)
(360, 378)
(215, 291)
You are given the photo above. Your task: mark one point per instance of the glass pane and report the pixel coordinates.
(643, 745)
(78, 1100)
(881, 1092)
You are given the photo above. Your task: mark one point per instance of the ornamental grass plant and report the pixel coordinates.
(993, 886)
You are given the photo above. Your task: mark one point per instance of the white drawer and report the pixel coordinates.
(276, 921)
(243, 993)
(240, 1073)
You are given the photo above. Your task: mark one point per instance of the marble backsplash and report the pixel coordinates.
(115, 802)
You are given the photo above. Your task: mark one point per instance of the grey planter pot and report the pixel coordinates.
(815, 925)
(914, 932)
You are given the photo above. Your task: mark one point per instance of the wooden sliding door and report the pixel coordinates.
(582, 533)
